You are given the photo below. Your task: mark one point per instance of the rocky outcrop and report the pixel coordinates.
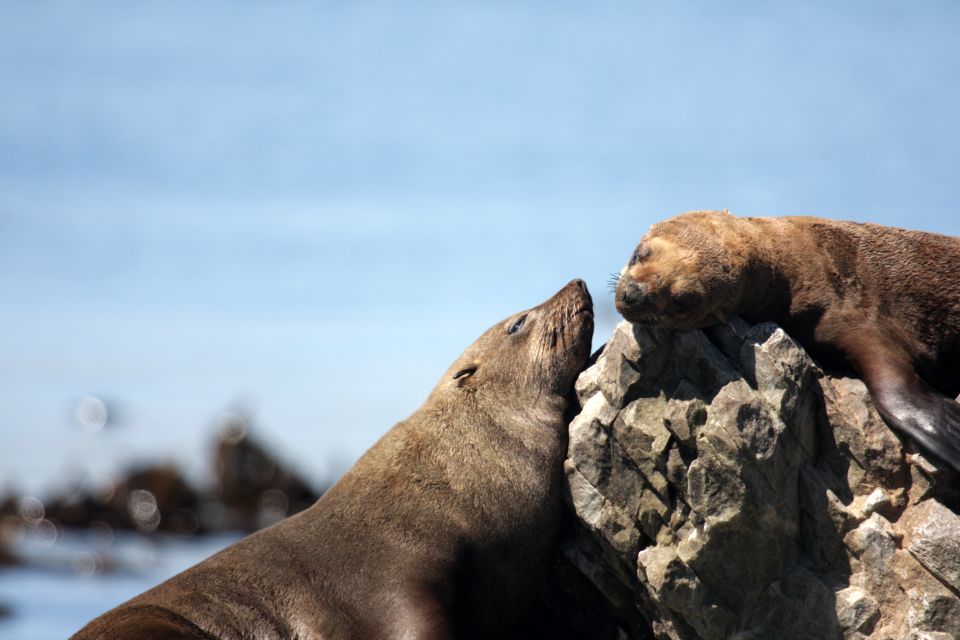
(146, 499)
(723, 487)
(254, 487)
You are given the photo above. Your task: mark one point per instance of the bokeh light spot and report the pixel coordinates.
(90, 413)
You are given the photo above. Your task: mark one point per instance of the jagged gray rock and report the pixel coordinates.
(724, 487)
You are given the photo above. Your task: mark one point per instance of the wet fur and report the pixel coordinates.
(864, 298)
(442, 529)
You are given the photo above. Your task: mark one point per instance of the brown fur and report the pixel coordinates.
(442, 528)
(879, 301)
(147, 623)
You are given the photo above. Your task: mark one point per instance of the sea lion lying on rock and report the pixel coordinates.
(443, 529)
(881, 302)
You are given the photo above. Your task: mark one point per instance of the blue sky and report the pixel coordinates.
(308, 209)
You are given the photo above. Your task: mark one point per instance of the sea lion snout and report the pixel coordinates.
(566, 333)
(572, 300)
(576, 287)
(579, 284)
(575, 299)
(632, 294)
(638, 301)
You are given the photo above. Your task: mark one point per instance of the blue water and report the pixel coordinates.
(63, 588)
(306, 210)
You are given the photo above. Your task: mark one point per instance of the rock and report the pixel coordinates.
(676, 588)
(934, 540)
(931, 609)
(878, 500)
(254, 487)
(146, 499)
(253, 490)
(723, 487)
(10, 524)
(857, 611)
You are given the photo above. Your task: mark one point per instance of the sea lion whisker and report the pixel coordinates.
(612, 281)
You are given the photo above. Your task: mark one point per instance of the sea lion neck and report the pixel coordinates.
(511, 403)
(784, 280)
(764, 266)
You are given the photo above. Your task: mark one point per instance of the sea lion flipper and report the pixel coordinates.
(931, 419)
(907, 403)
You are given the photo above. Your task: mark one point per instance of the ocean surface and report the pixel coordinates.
(73, 578)
(304, 211)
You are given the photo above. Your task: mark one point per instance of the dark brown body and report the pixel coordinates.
(878, 301)
(442, 529)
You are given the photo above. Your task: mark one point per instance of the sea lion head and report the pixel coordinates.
(532, 355)
(682, 275)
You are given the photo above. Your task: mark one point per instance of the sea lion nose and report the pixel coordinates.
(577, 282)
(633, 293)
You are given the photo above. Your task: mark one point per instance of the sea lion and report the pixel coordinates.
(443, 529)
(876, 301)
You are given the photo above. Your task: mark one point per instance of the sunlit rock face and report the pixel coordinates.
(723, 487)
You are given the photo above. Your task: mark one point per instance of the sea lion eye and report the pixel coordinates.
(639, 254)
(516, 326)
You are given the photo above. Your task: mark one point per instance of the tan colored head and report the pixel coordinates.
(683, 274)
(534, 354)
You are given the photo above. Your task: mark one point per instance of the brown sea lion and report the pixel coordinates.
(880, 302)
(443, 529)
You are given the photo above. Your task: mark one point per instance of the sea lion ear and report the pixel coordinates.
(464, 374)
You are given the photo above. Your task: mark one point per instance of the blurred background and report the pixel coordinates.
(239, 240)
